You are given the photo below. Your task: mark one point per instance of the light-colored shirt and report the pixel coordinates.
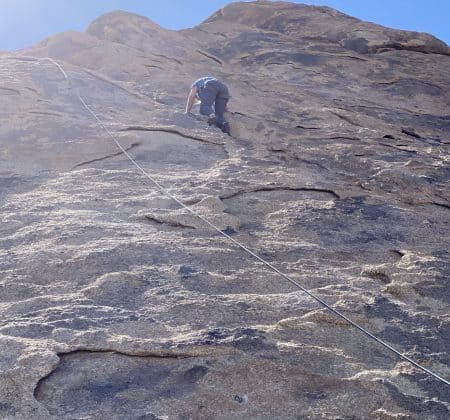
(200, 83)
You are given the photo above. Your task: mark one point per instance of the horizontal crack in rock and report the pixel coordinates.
(132, 146)
(153, 66)
(341, 138)
(54, 114)
(307, 128)
(15, 91)
(169, 130)
(172, 223)
(278, 188)
(154, 353)
(445, 206)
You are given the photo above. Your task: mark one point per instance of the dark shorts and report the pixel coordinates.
(216, 93)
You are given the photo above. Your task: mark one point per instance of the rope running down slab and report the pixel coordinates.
(162, 189)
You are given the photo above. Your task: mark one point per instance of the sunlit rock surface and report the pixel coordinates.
(116, 303)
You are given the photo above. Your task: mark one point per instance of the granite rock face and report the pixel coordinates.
(116, 303)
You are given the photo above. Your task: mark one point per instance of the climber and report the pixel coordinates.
(210, 91)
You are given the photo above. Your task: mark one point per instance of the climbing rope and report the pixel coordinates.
(237, 243)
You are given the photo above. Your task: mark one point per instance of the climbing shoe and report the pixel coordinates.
(226, 128)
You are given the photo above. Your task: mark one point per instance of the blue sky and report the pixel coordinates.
(26, 22)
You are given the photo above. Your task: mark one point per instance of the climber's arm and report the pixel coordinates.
(191, 99)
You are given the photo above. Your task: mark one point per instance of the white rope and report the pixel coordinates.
(243, 247)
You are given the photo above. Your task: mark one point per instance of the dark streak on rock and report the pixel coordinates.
(153, 66)
(210, 33)
(353, 57)
(411, 133)
(243, 115)
(341, 138)
(54, 114)
(346, 119)
(133, 145)
(154, 354)
(167, 130)
(398, 253)
(307, 128)
(445, 206)
(278, 188)
(288, 63)
(15, 91)
(167, 222)
(168, 58)
(211, 57)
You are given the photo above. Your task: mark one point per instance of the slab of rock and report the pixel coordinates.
(117, 302)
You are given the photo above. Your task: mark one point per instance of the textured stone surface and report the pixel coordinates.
(115, 303)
